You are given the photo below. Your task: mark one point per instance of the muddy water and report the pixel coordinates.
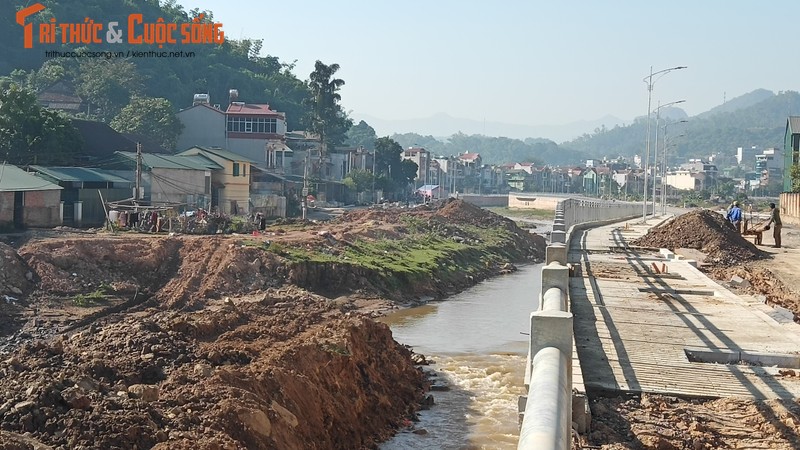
(476, 342)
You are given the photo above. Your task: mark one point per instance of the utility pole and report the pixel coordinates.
(304, 198)
(138, 172)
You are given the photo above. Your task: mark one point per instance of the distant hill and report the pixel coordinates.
(741, 102)
(759, 124)
(442, 124)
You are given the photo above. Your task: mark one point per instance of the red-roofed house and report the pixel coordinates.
(251, 130)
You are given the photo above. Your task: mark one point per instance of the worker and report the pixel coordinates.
(735, 217)
(775, 221)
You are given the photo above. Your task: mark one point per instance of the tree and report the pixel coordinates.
(794, 173)
(359, 180)
(362, 135)
(108, 85)
(387, 156)
(408, 170)
(152, 117)
(325, 116)
(30, 134)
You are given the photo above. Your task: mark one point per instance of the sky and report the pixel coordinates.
(526, 62)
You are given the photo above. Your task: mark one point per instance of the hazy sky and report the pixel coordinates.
(528, 62)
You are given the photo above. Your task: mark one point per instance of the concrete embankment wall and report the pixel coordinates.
(485, 200)
(556, 401)
(533, 200)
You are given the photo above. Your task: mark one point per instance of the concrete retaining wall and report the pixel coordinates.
(485, 200)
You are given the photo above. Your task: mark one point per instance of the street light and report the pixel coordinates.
(664, 166)
(655, 153)
(649, 80)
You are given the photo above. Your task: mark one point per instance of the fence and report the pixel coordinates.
(548, 408)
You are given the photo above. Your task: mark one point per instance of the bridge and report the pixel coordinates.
(614, 318)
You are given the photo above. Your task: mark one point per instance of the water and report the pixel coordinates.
(476, 342)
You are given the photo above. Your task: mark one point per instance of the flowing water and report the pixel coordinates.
(476, 341)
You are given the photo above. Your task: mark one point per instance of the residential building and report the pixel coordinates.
(182, 181)
(230, 185)
(27, 200)
(253, 131)
(100, 141)
(791, 150)
(423, 158)
(61, 96)
(89, 187)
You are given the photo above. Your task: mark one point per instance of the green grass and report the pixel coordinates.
(519, 213)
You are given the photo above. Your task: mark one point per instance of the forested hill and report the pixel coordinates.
(754, 119)
(759, 124)
(109, 84)
(494, 150)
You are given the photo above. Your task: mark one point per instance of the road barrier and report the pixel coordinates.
(547, 411)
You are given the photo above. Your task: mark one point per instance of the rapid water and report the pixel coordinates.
(475, 339)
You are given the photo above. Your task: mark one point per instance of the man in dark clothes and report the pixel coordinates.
(775, 222)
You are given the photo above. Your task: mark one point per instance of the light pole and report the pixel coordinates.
(655, 153)
(664, 167)
(649, 80)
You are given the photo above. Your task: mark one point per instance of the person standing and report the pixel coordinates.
(775, 221)
(735, 217)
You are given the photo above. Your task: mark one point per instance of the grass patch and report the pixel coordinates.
(98, 296)
(519, 213)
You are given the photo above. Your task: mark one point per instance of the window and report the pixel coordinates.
(252, 125)
(236, 169)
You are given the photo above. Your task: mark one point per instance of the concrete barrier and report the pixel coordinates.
(550, 408)
(546, 422)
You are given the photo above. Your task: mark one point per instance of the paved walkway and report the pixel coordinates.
(677, 332)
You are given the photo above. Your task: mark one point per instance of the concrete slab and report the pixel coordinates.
(634, 331)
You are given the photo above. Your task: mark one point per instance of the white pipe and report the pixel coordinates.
(548, 412)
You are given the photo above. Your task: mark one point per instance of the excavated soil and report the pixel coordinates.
(664, 422)
(220, 342)
(706, 231)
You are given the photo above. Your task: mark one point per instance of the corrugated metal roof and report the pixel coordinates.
(192, 162)
(794, 124)
(221, 152)
(83, 174)
(13, 179)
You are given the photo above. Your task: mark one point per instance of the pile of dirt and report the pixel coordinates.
(16, 278)
(278, 371)
(706, 231)
(661, 422)
(226, 341)
(761, 281)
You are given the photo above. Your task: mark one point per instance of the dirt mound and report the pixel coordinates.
(662, 422)
(264, 374)
(706, 231)
(16, 278)
(460, 212)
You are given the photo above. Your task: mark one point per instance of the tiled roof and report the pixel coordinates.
(251, 109)
(794, 124)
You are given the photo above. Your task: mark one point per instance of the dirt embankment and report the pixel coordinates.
(229, 342)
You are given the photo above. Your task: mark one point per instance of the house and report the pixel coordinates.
(422, 157)
(253, 131)
(791, 150)
(100, 141)
(169, 179)
(27, 200)
(88, 187)
(230, 186)
(60, 96)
